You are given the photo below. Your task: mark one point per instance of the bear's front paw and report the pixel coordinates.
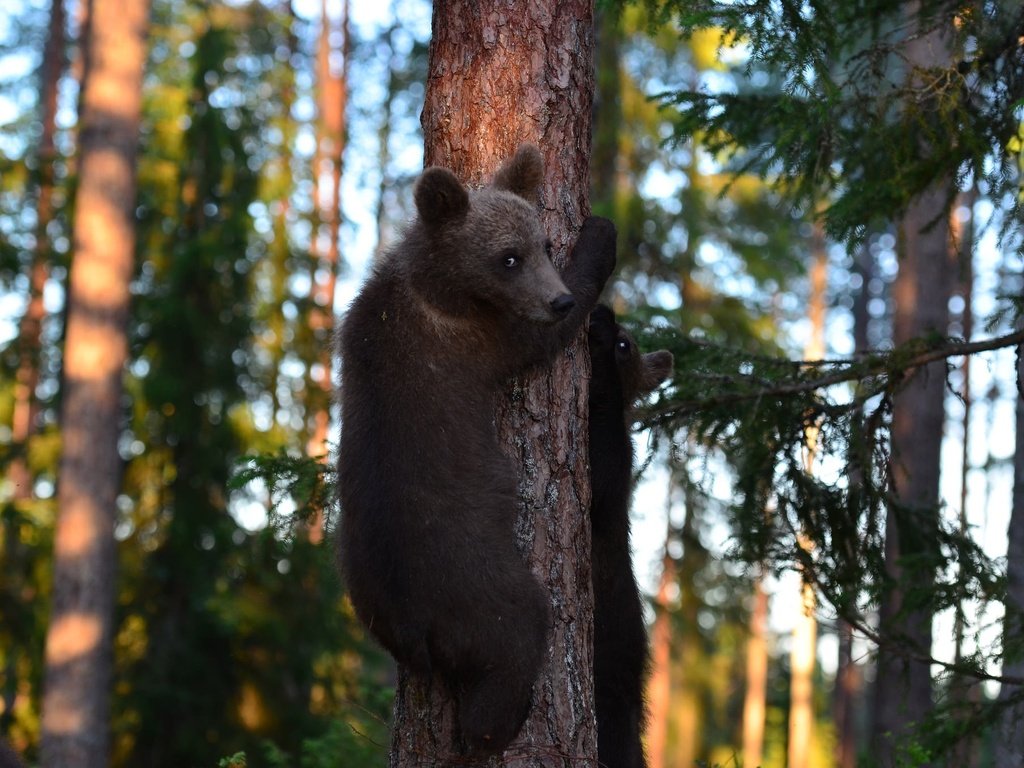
(596, 247)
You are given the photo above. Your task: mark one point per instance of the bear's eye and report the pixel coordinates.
(622, 345)
(510, 259)
(549, 249)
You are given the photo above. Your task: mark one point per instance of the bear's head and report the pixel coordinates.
(621, 374)
(486, 249)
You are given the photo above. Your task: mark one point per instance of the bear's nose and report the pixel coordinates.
(561, 305)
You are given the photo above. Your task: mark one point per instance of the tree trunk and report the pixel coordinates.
(24, 418)
(501, 74)
(79, 640)
(659, 684)
(690, 685)
(963, 689)
(1009, 745)
(805, 631)
(755, 700)
(26, 407)
(801, 681)
(847, 682)
(922, 290)
(845, 695)
(333, 103)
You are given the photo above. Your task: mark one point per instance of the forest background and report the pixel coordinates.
(277, 146)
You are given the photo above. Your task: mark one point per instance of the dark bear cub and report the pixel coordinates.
(468, 298)
(621, 375)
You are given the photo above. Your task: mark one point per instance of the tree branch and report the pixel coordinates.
(878, 363)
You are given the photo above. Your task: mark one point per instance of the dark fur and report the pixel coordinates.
(427, 545)
(8, 757)
(621, 375)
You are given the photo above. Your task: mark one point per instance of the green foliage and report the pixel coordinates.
(306, 484)
(759, 410)
(829, 106)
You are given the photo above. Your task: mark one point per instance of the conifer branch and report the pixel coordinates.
(876, 364)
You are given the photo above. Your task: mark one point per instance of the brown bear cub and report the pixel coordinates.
(467, 298)
(621, 375)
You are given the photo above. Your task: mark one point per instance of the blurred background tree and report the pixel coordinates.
(278, 141)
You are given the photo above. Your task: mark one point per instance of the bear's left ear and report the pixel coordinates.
(522, 173)
(656, 367)
(440, 198)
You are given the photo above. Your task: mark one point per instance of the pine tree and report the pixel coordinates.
(79, 644)
(532, 95)
(1009, 742)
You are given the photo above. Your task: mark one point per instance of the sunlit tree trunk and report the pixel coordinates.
(903, 692)
(75, 728)
(755, 699)
(689, 682)
(331, 144)
(659, 684)
(1009, 744)
(805, 631)
(501, 74)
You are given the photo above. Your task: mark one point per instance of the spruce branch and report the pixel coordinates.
(876, 364)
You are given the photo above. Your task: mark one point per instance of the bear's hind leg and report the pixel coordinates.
(494, 699)
(493, 709)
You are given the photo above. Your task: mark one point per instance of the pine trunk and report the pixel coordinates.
(24, 417)
(75, 728)
(847, 682)
(331, 143)
(964, 690)
(903, 693)
(501, 74)
(805, 632)
(26, 407)
(844, 697)
(755, 700)
(1009, 746)
(659, 684)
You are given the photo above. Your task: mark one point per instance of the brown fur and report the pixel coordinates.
(428, 499)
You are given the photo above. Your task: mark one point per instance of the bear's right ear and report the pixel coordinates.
(440, 198)
(522, 173)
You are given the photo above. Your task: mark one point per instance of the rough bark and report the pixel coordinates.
(903, 693)
(79, 640)
(502, 73)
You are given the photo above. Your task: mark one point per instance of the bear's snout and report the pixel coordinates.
(561, 305)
